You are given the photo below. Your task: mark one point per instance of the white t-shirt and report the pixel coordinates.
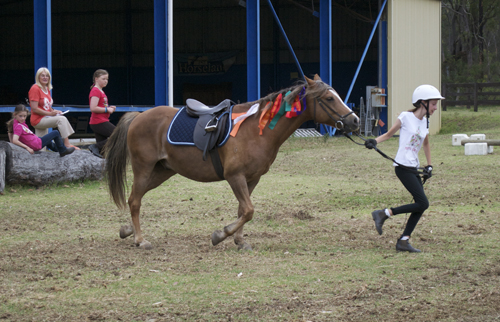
(411, 137)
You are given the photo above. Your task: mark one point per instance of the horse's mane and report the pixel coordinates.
(317, 90)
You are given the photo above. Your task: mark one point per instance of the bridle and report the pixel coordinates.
(339, 124)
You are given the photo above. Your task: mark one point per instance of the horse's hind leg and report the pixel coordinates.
(143, 182)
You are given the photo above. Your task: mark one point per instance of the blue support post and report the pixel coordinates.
(325, 51)
(375, 25)
(161, 51)
(253, 50)
(43, 34)
(325, 41)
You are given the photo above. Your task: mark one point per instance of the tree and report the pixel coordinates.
(471, 36)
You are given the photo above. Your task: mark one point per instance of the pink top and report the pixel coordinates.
(26, 136)
(98, 118)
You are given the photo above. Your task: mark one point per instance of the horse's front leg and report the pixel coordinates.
(245, 213)
(238, 235)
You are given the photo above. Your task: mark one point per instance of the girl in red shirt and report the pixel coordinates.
(99, 120)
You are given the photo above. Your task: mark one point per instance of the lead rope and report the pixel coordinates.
(418, 171)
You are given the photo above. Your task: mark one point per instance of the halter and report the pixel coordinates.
(339, 125)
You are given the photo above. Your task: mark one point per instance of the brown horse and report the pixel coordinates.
(142, 138)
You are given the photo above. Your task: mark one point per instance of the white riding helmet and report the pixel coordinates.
(425, 93)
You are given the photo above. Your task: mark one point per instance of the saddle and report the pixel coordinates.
(211, 129)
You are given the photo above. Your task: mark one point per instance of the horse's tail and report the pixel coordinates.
(117, 157)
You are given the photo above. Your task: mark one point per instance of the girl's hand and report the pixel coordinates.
(58, 112)
(111, 109)
(54, 112)
(30, 150)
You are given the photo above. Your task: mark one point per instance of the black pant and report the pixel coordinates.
(413, 184)
(102, 132)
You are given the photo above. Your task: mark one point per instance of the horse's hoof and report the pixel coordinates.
(217, 237)
(245, 247)
(145, 245)
(126, 231)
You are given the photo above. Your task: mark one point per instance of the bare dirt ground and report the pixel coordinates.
(316, 254)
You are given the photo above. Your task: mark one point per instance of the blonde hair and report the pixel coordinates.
(18, 109)
(37, 77)
(98, 73)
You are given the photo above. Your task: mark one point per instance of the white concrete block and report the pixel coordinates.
(490, 149)
(476, 148)
(478, 137)
(456, 139)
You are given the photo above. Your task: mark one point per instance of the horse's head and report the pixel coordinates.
(327, 106)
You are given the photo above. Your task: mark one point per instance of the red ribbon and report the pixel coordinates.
(296, 108)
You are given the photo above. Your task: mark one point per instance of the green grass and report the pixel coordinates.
(462, 120)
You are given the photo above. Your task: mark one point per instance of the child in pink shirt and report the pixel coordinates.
(21, 135)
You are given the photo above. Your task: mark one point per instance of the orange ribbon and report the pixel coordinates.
(276, 106)
(236, 127)
(265, 116)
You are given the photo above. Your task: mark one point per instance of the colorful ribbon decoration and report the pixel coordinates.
(238, 118)
(280, 107)
(294, 109)
(264, 117)
(280, 112)
(303, 99)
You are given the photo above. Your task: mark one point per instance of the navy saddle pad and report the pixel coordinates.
(180, 131)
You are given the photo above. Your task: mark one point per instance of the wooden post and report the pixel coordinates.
(489, 142)
(443, 102)
(468, 98)
(475, 97)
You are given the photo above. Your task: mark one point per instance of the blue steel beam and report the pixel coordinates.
(253, 49)
(325, 41)
(43, 34)
(325, 51)
(161, 51)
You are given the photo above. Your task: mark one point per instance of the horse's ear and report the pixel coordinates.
(317, 78)
(310, 82)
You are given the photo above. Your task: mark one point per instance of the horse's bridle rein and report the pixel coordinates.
(339, 124)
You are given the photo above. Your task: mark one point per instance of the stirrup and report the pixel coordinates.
(212, 125)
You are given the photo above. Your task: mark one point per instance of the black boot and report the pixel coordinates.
(95, 150)
(67, 151)
(379, 217)
(404, 246)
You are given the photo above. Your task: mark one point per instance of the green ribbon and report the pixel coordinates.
(285, 107)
